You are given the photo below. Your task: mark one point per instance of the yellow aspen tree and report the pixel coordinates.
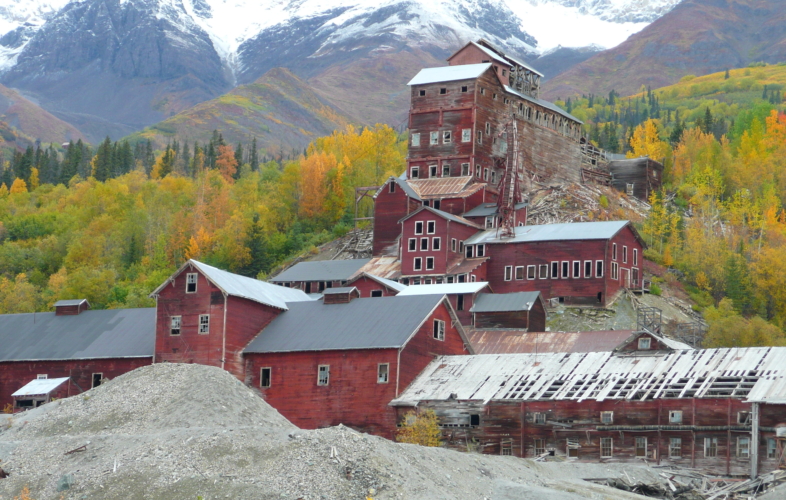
(3, 190)
(313, 175)
(19, 186)
(646, 141)
(34, 181)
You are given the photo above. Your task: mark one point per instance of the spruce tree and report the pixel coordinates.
(71, 163)
(726, 76)
(254, 156)
(103, 161)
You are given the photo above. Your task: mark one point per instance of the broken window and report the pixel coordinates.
(264, 377)
(675, 417)
(772, 448)
(413, 244)
(453, 244)
(675, 447)
(508, 273)
(175, 324)
(466, 135)
(710, 447)
(607, 417)
(488, 127)
(434, 138)
(445, 170)
(414, 172)
(191, 283)
(629, 189)
(482, 91)
(540, 447)
(417, 265)
(493, 177)
(544, 271)
(539, 418)
(606, 447)
(382, 373)
(743, 447)
(204, 323)
(506, 445)
(465, 168)
(429, 263)
(645, 343)
(439, 329)
(431, 227)
(641, 447)
(486, 174)
(474, 420)
(419, 227)
(530, 272)
(460, 302)
(573, 448)
(490, 220)
(447, 137)
(432, 170)
(323, 375)
(97, 379)
(744, 417)
(519, 272)
(436, 243)
(415, 139)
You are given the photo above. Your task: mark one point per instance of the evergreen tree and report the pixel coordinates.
(726, 76)
(764, 95)
(676, 133)
(71, 163)
(238, 159)
(23, 164)
(102, 170)
(254, 156)
(149, 158)
(186, 160)
(739, 287)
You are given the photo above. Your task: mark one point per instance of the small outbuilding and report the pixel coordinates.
(525, 310)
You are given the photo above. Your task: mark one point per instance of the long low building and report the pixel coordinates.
(715, 409)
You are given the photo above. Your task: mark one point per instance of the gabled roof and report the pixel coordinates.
(491, 53)
(236, 285)
(445, 187)
(486, 209)
(393, 285)
(321, 270)
(443, 289)
(449, 73)
(696, 373)
(554, 232)
(338, 290)
(665, 342)
(505, 302)
(111, 333)
(402, 183)
(40, 387)
(71, 302)
(509, 341)
(367, 323)
(444, 215)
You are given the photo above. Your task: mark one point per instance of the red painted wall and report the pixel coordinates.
(445, 230)
(366, 285)
(15, 374)
(389, 208)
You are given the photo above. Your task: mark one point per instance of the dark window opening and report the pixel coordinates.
(474, 420)
(422, 93)
(464, 88)
(392, 187)
(437, 204)
(264, 377)
(460, 302)
(443, 91)
(308, 287)
(376, 293)
(97, 378)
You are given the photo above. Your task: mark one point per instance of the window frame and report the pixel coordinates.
(466, 135)
(576, 269)
(420, 225)
(565, 269)
(539, 447)
(772, 451)
(93, 379)
(606, 443)
(439, 330)
(414, 172)
(417, 264)
(380, 373)
(624, 254)
(391, 187)
(424, 244)
(445, 170)
(262, 377)
(433, 138)
(431, 227)
(479, 137)
(599, 264)
(175, 319)
(323, 381)
(675, 417)
(453, 246)
(204, 324)
(433, 170)
(710, 447)
(413, 245)
(465, 171)
(543, 272)
(189, 282)
(644, 343)
(447, 137)
(675, 443)
(607, 417)
(436, 243)
(743, 447)
(587, 269)
(635, 256)
(539, 418)
(554, 267)
(613, 251)
(416, 139)
(480, 250)
(429, 263)
(637, 448)
(508, 273)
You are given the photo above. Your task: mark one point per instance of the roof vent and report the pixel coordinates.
(71, 307)
(342, 295)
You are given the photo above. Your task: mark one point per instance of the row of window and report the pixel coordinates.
(558, 270)
(641, 444)
(624, 254)
(436, 244)
(176, 324)
(447, 137)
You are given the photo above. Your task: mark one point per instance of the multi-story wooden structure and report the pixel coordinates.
(716, 409)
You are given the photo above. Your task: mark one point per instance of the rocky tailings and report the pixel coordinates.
(187, 431)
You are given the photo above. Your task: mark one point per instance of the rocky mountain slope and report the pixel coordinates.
(697, 37)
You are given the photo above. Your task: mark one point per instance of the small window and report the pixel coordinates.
(772, 448)
(490, 221)
(204, 323)
(493, 177)
(598, 268)
(635, 256)
(480, 250)
(743, 447)
(473, 278)
(413, 244)
(478, 170)
(531, 272)
(645, 343)
(417, 265)
(432, 171)
(465, 169)
(468, 251)
(415, 141)
(613, 251)
(573, 448)
(421, 93)
(461, 247)
(565, 269)
(443, 91)
(505, 73)
(479, 137)
(414, 173)
(488, 127)
(175, 323)
(447, 137)
(577, 269)
(641, 447)
(540, 447)
(419, 227)
(464, 88)
(445, 170)
(42, 376)
(482, 91)
(544, 271)
(439, 329)
(434, 138)
(436, 243)
(486, 174)
(629, 188)
(382, 373)
(431, 227)
(466, 135)
(606, 447)
(98, 378)
(429, 263)
(744, 417)
(494, 96)
(615, 271)
(376, 293)
(424, 244)
(675, 417)
(588, 269)
(519, 272)
(506, 446)
(191, 283)
(264, 377)
(508, 273)
(624, 254)
(392, 187)
(554, 270)
(453, 244)
(675, 448)
(607, 417)
(323, 375)
(460, 301)
(539, 418)
(710, 447)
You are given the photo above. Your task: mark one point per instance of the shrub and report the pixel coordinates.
(655, 289)
(420, 428)
(604, 202)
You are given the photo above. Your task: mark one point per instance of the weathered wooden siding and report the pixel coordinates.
(389, 208)
(645, 174)
(507, 319)
(15, 374)
(444, 229)
(537, 317)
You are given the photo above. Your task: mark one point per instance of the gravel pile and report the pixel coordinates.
(187, 431)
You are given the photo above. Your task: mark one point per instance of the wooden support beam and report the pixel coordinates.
(754, 448)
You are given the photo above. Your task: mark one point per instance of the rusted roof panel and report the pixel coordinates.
(384, 267)
(499, 341)
(463, 266)
(445, 187)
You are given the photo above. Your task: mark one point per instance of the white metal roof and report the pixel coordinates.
(443, 288)
(244, 287)
(753, 374)
(553, 232)
(40, 386)
(491, 53)
(393, 285)
(449, 73)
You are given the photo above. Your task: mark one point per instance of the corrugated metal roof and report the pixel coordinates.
(402, 183)
(40, 386)
(449, 73)
(541, 102)
(321, 270)
(486, 209)
(388, 267)
(69, 302)
(369, 323)
(338, 290)
(393, 285)
(504, 302)
(707, 373)
(443, 289)
(445, 187)
(490, 53)
(111, 333)
(498, 341)
(553, 232)
(444, 215)
(463, 266)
